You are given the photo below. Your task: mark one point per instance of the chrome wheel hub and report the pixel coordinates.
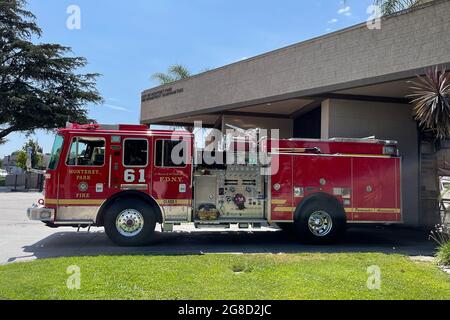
(130, 223)
(320, 223)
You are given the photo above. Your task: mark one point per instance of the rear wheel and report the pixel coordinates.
(320, 221)
(130, 222)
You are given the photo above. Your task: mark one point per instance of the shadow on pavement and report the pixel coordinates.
(358, 239)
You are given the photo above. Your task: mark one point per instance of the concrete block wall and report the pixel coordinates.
(405, 45)
(387, 121)
(26, 181)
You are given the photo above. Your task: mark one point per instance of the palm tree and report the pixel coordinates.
(431, 102)
(392, 6)
(175, 73)
(431, 109)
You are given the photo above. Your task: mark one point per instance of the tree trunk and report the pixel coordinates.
(5, 132)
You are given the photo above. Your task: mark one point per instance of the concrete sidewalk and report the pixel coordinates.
(23, 240)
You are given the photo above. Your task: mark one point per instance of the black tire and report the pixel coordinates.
(144, 221)
(325, 209)
(286, 227)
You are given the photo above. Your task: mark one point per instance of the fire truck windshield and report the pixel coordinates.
(56, 152)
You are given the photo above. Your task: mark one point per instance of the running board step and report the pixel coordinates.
(241, 225)
(212, 226)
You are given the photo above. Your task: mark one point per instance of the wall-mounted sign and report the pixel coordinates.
(161, 94)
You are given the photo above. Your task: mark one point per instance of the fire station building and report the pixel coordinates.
(352, 83)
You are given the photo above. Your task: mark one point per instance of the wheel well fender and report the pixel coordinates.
(129, 194)
(321, 197)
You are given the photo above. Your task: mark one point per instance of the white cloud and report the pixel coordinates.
(345, 11)
(115, 107)
(111, 103)
(333, 21)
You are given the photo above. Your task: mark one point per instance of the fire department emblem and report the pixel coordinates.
(83, 187)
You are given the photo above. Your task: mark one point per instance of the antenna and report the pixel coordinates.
(235, 128)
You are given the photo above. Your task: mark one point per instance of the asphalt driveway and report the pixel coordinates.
(23, 240)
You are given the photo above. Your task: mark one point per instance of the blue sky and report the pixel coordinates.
(127, 41)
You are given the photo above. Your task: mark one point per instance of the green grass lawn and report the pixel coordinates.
(298, 276)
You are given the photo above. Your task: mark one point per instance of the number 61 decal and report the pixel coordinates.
(130, 175)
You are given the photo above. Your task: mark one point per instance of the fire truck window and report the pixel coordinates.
(56, 152)
(135, 153)
(86, 152)
(164, 156)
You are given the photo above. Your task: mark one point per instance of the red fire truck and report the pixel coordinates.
(124, 178)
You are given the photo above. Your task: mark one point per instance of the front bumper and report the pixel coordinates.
(41, 214)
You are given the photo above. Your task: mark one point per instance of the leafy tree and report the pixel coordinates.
(21, 160)
(36, 153)
(431, 102)
(391, 6)
(175, 73)
(39, 84)
(431, 108)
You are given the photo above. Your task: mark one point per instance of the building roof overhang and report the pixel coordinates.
(355, 63)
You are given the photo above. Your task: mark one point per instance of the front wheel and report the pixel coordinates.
(130, 222)
(320, 221)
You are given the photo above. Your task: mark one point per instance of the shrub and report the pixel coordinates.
(443, 254)
(441, 234)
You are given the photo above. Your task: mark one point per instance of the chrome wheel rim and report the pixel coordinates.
(130, 223)
(320, 223)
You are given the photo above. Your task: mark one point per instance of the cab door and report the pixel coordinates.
(134, 169)
(172, 177)
(81, 178)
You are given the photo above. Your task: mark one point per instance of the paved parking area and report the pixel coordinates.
(23, 240)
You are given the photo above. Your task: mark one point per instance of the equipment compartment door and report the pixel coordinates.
(376, 183)
(281, 189)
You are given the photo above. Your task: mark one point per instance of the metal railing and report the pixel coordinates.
(444, 208)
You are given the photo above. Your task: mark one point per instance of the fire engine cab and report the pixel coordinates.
(126, 179)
